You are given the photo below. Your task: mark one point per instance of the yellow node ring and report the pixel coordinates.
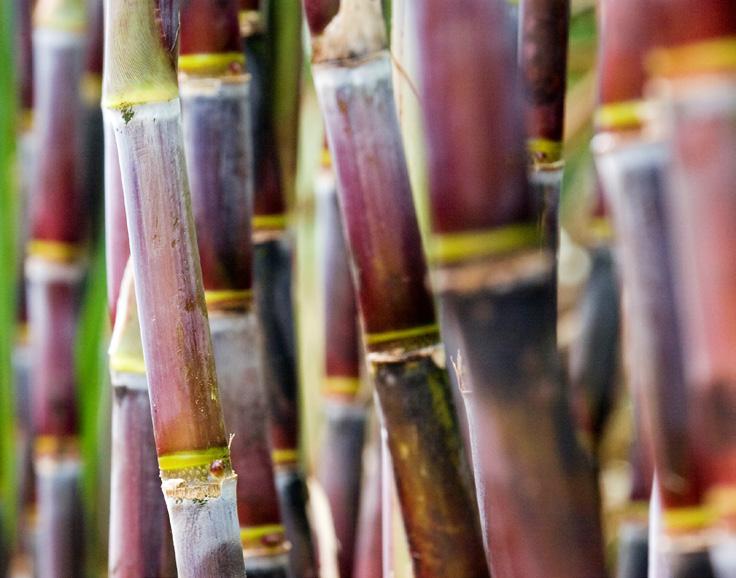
(191, 459)
(202, 63)
(256, 533)
(269, 222)
(214, 298)
(457, 247)
(337, 385)
(546, 149)
(55, 251)
(51, 445)
(700, 57)
(621, 115)
(401, 334)
(688, 519)
(282, 457)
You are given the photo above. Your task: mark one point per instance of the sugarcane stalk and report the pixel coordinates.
(633, 168)
(368, 543)
(270, 37)
(216, 104)
(352, 73)
(595, 355)
(140, 541)
(55, 267)
(495, 278)
(141, 101)
(543, 36)
(634, 178)
(694, 80)
(340, 461)
(633, 529)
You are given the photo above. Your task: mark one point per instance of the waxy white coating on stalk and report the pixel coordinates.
(202, 528)
(357, 30)
(59, 507)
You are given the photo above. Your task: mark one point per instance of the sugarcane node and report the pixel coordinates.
(42, 270)
(218, 468)
(225, 301)
(701, 58)
(264, 541)
(411, 351)
(222, 67)
(180, 489)
(355, 33)
(629, 116)
(56, 447)
(502, 274)
(91, 88)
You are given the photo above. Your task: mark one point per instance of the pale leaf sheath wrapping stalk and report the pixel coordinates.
(117, 246)
(405, 361)
(200, 486)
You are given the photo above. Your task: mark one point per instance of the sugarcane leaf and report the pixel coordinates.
(9, 218)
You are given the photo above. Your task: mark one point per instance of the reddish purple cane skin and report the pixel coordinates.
(544, 27)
